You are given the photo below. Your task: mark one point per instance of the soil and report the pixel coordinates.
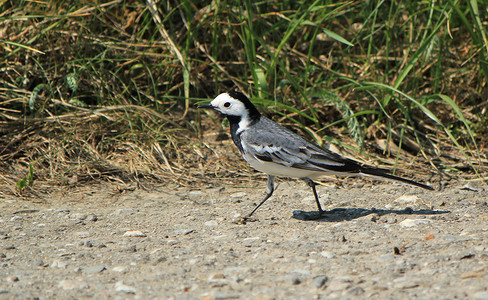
(169, 242)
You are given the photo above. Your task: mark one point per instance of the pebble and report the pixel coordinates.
(134, 233)
(91, 218)
(78, 216)
(195, 195)
(411, 199)
(389, 220)
(12, 278)
(120, 269)
(217, 276)
(95, 269)
(319, 281)
(295, 279)
(238, 195)
(339, 284)
(131, 249)
(404, 283)
(91, 244)
(82, 234)
(183, 231)
(40, 263)
(121, 287)
(327, 254)
(211, 223)
(15, 219)
(355, 291)
(123, 211)
(413, 222)
(60, 264)
(69, 284)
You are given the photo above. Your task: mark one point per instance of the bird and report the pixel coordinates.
(273, 149)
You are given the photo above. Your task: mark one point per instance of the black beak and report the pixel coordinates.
(206, 106)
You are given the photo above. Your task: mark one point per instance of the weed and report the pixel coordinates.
(28, 180)
(110, 87)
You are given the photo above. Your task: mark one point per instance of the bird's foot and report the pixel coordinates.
(243, 220)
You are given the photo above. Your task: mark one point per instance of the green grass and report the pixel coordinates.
(409, 72)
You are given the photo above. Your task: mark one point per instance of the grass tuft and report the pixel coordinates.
(93, 90)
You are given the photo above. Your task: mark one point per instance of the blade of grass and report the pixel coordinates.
(22, 46)
(416, 55)
(434, 118)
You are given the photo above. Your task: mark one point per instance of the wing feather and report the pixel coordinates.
(283, 147)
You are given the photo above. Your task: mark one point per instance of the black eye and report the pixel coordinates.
(226, 104)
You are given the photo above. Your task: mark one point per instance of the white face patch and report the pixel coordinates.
(227, 105)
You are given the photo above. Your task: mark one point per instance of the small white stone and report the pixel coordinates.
(69, 284)
(61, 264)
(121, 287)
(250, 239)
(413, 199)
(339, 284)
(12, 278)
(211, 223)
(320, 227)
(195, 195)
(79, 216)
(120, 269)
(327, 254)
(15, 218)
(91, 217)
(238, 195)
(134, 233)
(319, 281)
(413, 222)
(95, 269)
(125, 211)
(82, 234)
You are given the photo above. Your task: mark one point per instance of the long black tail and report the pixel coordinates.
(380, 174)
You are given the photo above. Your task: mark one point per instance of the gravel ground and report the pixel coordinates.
(388, 241)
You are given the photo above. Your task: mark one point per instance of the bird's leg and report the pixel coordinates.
(269, 192)
(312, 184)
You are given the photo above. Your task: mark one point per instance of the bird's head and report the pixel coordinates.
(233, 104)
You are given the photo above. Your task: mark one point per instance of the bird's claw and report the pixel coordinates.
(243, 220)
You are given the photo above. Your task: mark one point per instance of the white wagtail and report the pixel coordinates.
(276, 151)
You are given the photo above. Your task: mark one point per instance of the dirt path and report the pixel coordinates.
(389, 241)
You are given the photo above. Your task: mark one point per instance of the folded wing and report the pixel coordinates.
(291, 150)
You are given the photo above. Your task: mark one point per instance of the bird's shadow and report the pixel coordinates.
(347, 214)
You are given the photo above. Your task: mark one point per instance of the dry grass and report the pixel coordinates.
(106, 91)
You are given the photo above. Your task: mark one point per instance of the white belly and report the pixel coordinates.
(281, 170)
